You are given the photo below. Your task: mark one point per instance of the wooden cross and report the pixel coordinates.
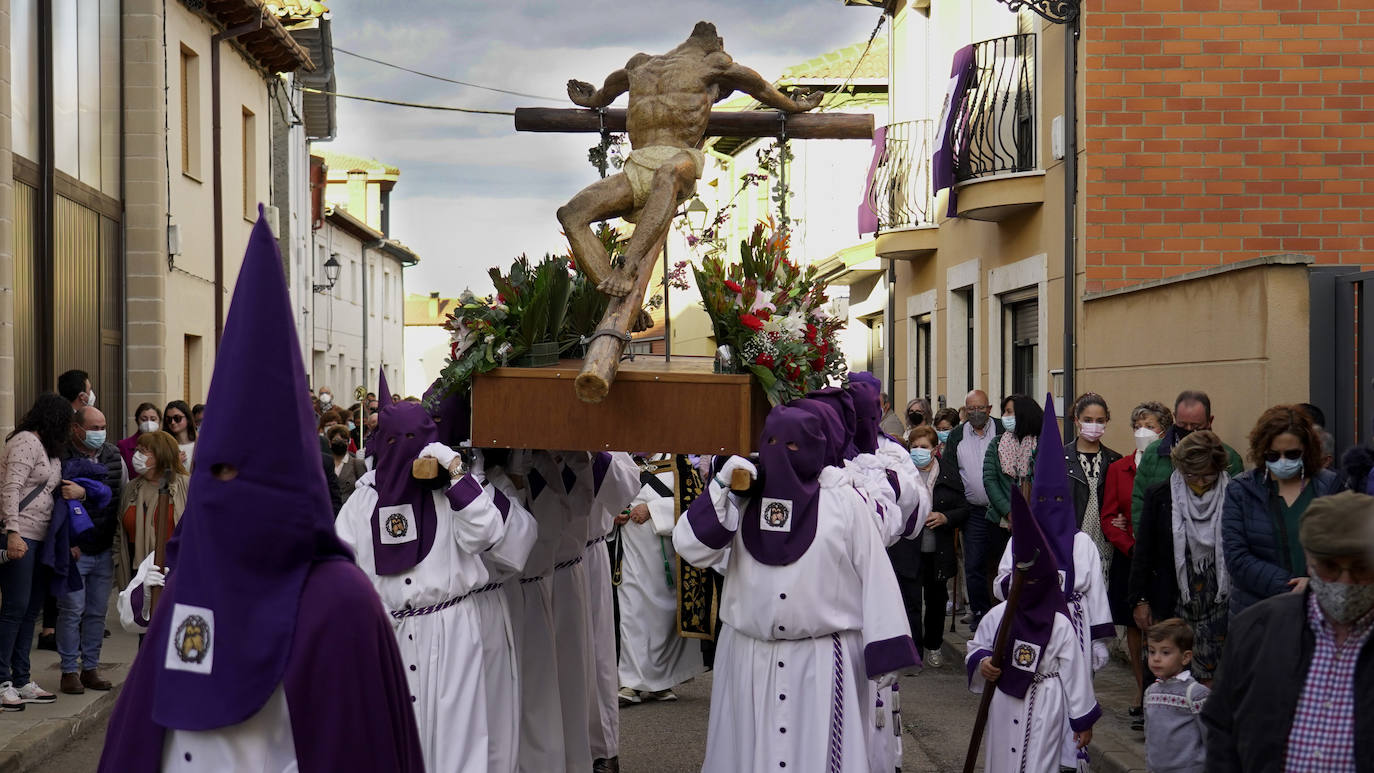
(604, 350)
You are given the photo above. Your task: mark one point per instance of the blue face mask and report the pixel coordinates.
(943, 435)
(1285, 469)
(352, 427)
(95, 438)
(1009, 423)
(921, 456)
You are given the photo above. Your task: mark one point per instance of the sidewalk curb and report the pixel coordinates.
(1107, 752)
(37, 744)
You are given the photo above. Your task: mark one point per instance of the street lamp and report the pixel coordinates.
(331, 273)
(696, 215)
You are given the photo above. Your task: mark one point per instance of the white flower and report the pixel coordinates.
(794, 325)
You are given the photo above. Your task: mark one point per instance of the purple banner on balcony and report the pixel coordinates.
(868, 218)
(946, 156)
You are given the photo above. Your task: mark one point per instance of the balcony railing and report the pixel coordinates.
(899, 193)
(995, 130)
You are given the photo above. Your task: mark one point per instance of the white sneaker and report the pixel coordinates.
(662, 695)
(629, 697)
(934, 659)
(32, 693)
(9, 697)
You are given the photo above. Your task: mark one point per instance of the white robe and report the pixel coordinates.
(504, 562)
(652, 655)
(1089, 610)
(800, 642)
(603, 712)
(440, 648)
(263, 742)
(1026, 734)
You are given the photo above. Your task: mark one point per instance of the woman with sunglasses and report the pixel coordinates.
(176, 421)
(1263, 506)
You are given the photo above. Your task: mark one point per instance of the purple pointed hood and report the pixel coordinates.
(868, 410)
(404, 520)
(1033, 623)
(452, 414)
(778, 525)
(832, 427)
(843, 404)
(257, 518)
(1051, 500)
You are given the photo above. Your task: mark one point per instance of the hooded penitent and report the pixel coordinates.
(405, 520)
(778, 525)
(452, 414)
(868, 410)
(843, 404)
(238, 617)
(1032, 622)
(1051, 500)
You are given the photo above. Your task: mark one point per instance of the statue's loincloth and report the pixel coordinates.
(641, 165)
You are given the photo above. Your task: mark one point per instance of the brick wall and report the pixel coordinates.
(1222, 130)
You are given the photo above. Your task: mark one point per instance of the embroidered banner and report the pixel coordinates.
(946, 154)
(697, 589)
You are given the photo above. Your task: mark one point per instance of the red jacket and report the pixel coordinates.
(1117, 501)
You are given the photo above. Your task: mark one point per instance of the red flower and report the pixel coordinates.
(733, 285)
(764, 314)
(750, 321)
(453, 350)
(818, 364)
(810, 332)
(765, 359)
(500, 298)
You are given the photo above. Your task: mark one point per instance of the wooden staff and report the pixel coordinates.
(999, 656)
(162, 518)
(749, 123)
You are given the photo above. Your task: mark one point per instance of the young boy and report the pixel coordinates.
(1173, 704)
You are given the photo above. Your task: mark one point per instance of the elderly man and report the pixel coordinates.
(1296, 688)
(962, 466)
(1192, 412)
(890, 423)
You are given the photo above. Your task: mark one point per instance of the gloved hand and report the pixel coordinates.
(732, 464)
(521, 462)
(440, 452)
(1100, 655)
(478, 468)
(153, 578)
(886, 680)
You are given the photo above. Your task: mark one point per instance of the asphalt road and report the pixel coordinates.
(937, 713)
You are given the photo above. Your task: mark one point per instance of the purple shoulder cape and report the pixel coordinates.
(345, 687)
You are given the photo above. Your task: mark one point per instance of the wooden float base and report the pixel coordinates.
(679, 406)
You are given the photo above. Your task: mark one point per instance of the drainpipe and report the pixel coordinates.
(45, 237)
(1070, 216)
(891, 333)
(216, 139)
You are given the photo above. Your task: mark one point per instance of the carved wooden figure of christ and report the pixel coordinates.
(670, 98)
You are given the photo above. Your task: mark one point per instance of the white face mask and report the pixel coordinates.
(140, 462)
(326, 398)
(1144, 437)
(148, 426)
(90, 398)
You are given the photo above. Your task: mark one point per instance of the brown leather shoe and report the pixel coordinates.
(91, 678)
(71, 684)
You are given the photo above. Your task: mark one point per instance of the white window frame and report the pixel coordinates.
(960, 277)
(1030, 272)
(918, 306)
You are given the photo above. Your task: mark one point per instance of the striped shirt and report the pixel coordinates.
(1323, 736)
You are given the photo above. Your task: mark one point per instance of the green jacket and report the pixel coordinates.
(1156, 466)
(997, 483)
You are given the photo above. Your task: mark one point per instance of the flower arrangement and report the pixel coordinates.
(771, 314)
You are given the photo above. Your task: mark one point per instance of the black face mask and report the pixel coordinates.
(978, 420)
(1181, 433)
(339, 447)
(915, 419)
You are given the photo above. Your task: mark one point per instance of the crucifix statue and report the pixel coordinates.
(668, 119)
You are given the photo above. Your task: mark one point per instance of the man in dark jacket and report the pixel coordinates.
(963, 460)
(1296, 687)
(81, 614)
(1192, 412)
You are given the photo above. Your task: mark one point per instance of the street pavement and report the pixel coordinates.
(937, 715)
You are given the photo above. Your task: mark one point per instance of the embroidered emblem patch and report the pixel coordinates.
(775, 514)
(397, 524)
(1024, 655)
(190, 644)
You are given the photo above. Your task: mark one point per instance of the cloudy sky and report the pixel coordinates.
(475, 193)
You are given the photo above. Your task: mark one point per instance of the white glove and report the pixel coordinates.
(886, 680)
(732, 464)
(155, 578)
(1100, 655)
(478, 468)
(440, 452)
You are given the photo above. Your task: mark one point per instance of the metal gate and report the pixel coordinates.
(1341, 352)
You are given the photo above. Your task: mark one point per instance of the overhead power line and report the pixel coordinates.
(442, 78)
(407, 104)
